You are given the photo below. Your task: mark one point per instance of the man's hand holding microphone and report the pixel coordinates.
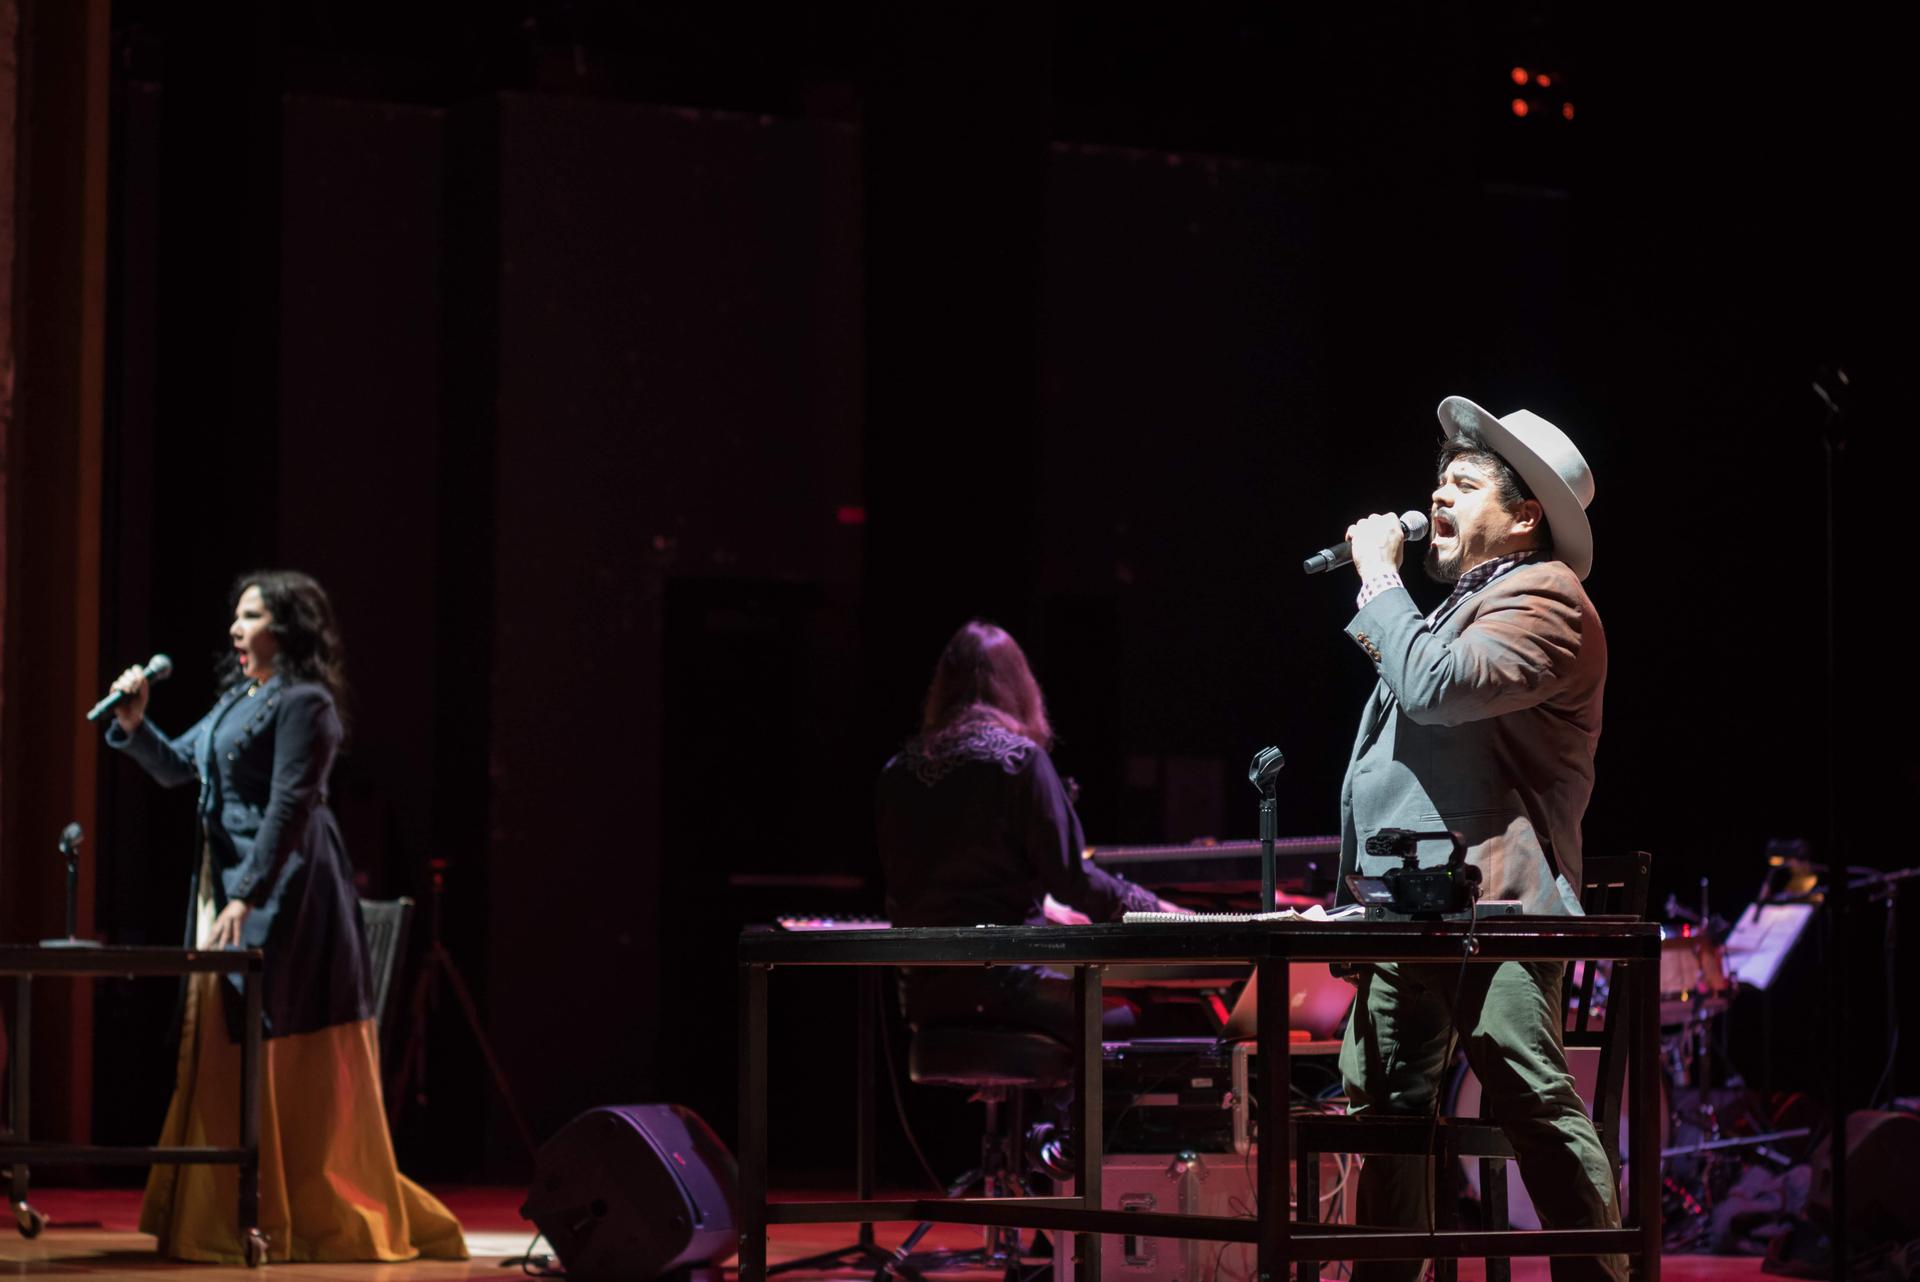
(1383, 536)
(1378, 543)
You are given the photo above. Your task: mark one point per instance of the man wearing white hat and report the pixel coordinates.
(1484, 720)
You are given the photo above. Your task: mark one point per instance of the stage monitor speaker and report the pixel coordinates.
(1883, 1199)
(635, 1192)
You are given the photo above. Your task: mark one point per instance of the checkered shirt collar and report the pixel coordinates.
(1481, 575)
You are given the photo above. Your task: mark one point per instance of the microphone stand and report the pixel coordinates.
(411, 1076)
(1266, 764)
(1833, 441)
(70, 839)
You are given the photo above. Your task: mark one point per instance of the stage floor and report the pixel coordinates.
(92, 1235)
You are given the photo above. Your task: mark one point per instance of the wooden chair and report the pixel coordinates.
(1611, 886)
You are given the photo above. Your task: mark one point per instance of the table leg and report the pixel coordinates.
(20, 1106)
(250, 1070)
(753, 1123)
(868, 995)
(1306, 1200)
(1090, 1113)
(1274, 1094)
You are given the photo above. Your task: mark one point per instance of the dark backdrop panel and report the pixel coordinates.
(146, 838)
(954, 131)
(363, 358)
(768, 811)
(359, 399)
(190, 482)
(1187, 454)
(679, 398)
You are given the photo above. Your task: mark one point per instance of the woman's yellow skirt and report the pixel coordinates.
(329, 1187)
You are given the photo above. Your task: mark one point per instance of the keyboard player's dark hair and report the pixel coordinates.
(983, 675)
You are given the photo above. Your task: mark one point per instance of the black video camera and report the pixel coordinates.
(1410, 890)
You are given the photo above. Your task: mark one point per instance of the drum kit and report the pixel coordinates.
(1715, 1128)
(1696, 990)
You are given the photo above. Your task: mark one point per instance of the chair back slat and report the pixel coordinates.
(1611, 886)
(385, 922)
(1615, 885)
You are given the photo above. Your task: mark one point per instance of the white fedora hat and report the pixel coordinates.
(1547, 461)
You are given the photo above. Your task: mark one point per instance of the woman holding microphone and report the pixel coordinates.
(273, 874)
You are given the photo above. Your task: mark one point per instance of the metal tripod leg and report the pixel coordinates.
(413, 1063)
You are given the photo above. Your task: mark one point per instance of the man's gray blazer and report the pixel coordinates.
(1485, 723)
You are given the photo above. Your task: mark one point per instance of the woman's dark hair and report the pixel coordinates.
(983, 675)
(303, 626)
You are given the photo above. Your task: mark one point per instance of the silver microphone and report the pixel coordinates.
(1413, 523)
(158, 668)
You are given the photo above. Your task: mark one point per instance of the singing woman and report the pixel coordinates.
(272, 873)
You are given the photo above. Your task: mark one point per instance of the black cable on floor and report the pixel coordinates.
(534, 1266)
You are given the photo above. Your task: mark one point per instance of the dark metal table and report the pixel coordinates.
(17, 1148)
(1271, 947)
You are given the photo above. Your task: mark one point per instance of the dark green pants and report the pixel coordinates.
(1508, 1020)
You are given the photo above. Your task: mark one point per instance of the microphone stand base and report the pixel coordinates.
(70, 942)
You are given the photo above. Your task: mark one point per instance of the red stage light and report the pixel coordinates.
(1520, 106)
(851, 516)
(1566, 110)
(1543, 80)
(1520, 75)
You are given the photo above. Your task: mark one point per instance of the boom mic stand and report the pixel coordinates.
(1833, 441)
(437, 965)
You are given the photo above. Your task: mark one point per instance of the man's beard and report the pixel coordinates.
(1440, 568)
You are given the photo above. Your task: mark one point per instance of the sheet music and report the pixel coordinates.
(1762, 938)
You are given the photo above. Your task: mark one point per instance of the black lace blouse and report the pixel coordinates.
(976, 828)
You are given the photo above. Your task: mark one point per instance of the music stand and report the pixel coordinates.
(1761, 940)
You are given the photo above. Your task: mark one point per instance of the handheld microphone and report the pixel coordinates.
(158, 668)
(1413, 523)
